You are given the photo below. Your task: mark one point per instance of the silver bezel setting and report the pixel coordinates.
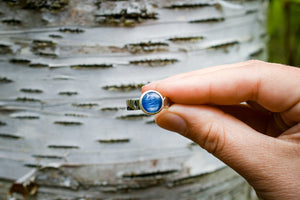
(141, 103)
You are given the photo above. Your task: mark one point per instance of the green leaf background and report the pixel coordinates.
(284, 32)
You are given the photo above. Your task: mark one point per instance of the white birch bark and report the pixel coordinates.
(66, 70)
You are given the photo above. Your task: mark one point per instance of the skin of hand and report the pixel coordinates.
(247, 115)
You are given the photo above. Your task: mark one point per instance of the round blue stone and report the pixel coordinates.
(152, 102)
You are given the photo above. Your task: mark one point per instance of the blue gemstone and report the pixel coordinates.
(152, 102)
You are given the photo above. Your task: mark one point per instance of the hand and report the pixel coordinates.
(246, 114)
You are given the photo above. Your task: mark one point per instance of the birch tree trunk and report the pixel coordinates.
(67, 68)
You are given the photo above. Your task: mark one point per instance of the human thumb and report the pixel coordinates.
(223, 135)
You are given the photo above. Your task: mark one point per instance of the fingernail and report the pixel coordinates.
(171, 121)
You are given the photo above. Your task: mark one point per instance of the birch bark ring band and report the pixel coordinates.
(151, 102)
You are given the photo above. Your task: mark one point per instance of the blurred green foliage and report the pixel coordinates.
(284, 32)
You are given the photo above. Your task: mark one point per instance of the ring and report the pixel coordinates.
(150, 102)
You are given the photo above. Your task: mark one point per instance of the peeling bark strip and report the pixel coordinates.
(25, 185)
(2, 123)
(48, 156)
(68, 93)
(110, 141)
(5, 49)
(38, 65)
(27, 117)
(125, 17)
(85, 105)
(71, 30)
(41, 4)
(112, 109)
(124, 13)
(91, 66)
(68, 123)
(154, 62)
(43, 43)
(151, 174)
(75, 115)
(224, 45)
(187, 39)
(133, 116)
(29, 90)
(66, 70)
(184, 6)
(123, 88)
(12, 21)
(26, 99)
(9, 136)
(5, 80)
(147, 47)
(63, 147)
(208, 20)
(20, 61)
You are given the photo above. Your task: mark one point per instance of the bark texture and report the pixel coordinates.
(66, 70)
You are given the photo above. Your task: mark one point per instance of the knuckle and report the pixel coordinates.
(213, 138)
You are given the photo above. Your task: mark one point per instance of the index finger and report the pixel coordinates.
(273, 86)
